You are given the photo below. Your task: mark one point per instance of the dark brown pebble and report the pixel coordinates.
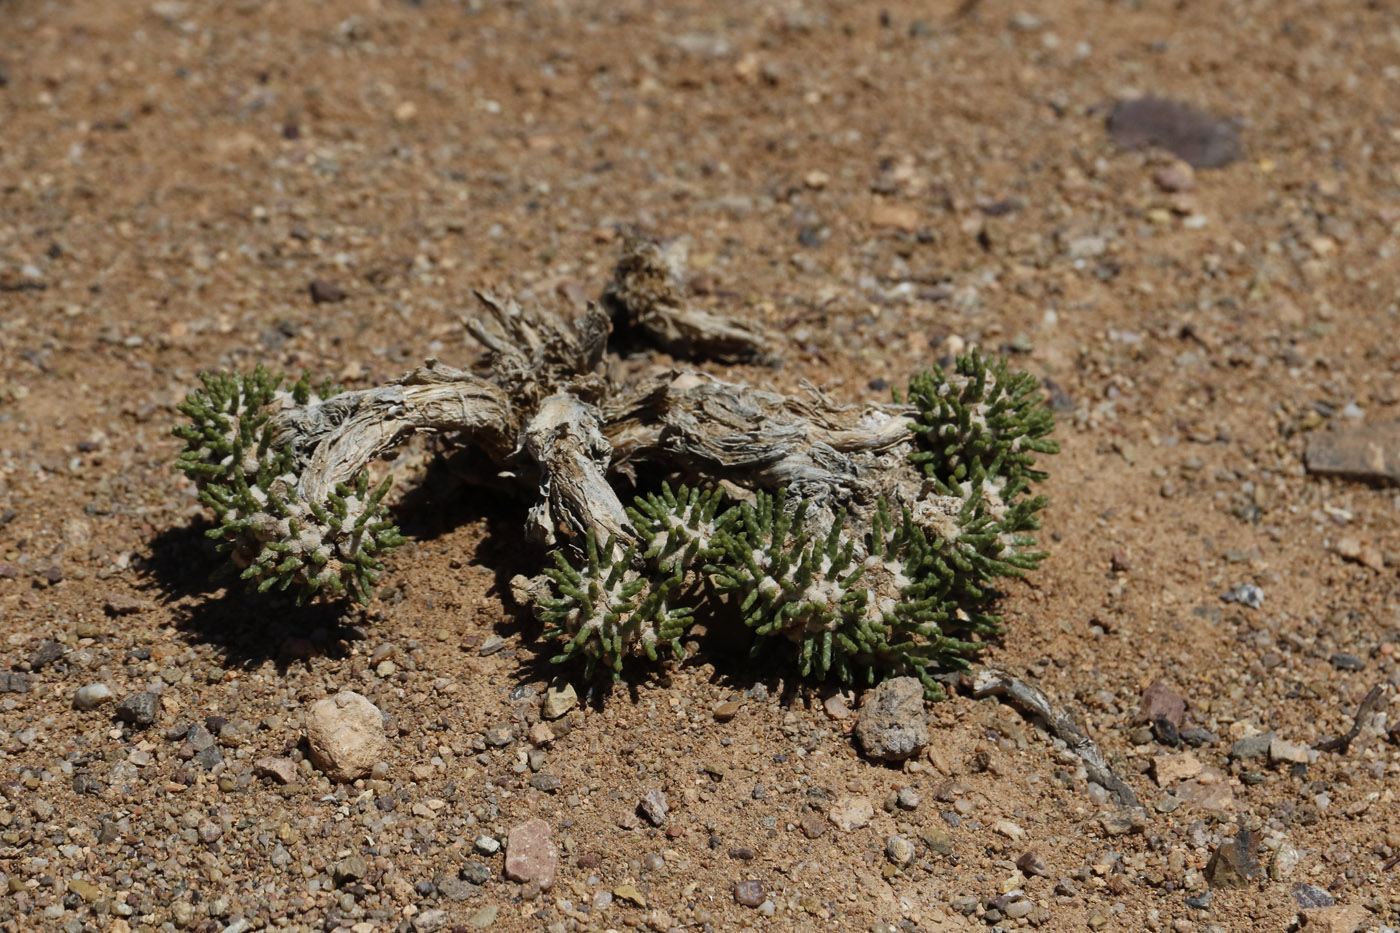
(750, 893)
(326, 292)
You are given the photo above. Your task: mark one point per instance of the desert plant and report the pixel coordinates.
(862, 541)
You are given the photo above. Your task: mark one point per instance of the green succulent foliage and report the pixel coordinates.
(821, 595)
(275, 540)
(980, 420)
(677, 526)
(226, 441)
(910, 594)
(605, 611)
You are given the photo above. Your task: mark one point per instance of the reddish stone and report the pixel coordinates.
(531, 854)
(1160, 700)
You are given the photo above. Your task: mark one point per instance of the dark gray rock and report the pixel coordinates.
(47, 653)
(455, 889)
(475, 872)
(139, 709)
(1254, 746)
(1194, 136)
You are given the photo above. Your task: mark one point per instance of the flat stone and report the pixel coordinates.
(727, 710)
(48, 652)
(850, 813)
(892, 724)
(1347, 662)
(1217, 797)
(455, 889)
(1175, 177)
(750, 893)
(903, 217)
(430, 920)
(124, 604)
(1194, 136)
(1160, 700)
(1253, 746)
(324, 291)
(558, 701)
(1370, 453)
(1282, 752)
(85, 889)
(1171, 769)
(1346, 918)
(1123, 821)
(939, 841)
(836, 708)
(531, 855)
(346, 736)
(1236, 863)
(282, 770)
(1008, 829)
(477, 873)
(14, 683)
(1197, 736)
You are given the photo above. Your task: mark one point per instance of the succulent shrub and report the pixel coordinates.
(857, 542)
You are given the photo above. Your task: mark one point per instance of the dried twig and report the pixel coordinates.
(1372, 702)
(1032, 701)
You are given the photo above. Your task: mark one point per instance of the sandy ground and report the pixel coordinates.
(882, 184)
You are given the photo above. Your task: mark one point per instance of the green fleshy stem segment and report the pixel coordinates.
(677, 526)
(981, 420)
(273, 539)
(812, 593)
(605, 611)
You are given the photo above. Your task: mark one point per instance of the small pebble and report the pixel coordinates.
(750, 893)
(91, 697)
(654, 807)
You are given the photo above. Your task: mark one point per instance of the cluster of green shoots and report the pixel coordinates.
(906, 591)
(273, 537)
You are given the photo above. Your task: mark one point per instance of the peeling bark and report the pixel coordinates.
(647, 296)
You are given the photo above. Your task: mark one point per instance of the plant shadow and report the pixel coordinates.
(246, 628)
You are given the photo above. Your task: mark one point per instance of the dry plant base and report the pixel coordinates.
(861, 541)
